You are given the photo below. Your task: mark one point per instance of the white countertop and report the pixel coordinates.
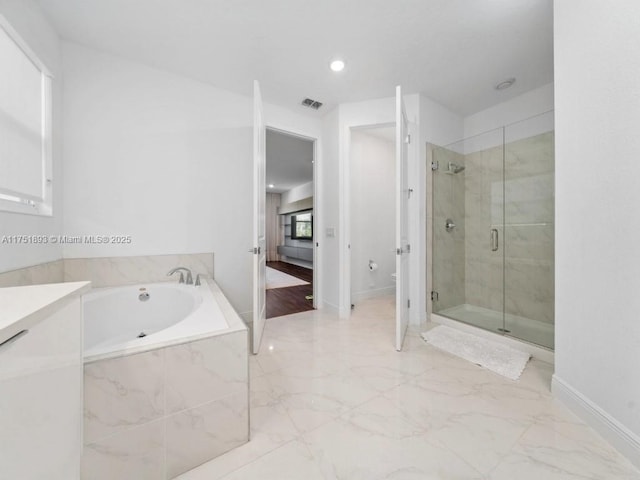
(23, 307)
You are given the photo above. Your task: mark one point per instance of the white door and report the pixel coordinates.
(259, 197)
(403, 248)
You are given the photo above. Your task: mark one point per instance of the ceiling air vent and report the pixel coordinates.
(308, 102)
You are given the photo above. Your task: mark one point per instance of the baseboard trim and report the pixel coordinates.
(625, 441)
(329, 308)
(378, 292)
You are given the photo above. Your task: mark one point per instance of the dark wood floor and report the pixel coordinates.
(287, 300)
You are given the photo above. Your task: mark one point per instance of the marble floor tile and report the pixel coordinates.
(332, 399)
(292, 461)
(564, 448)
(312, 400)
(376, 441)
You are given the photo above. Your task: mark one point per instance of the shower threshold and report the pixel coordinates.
(527, 329)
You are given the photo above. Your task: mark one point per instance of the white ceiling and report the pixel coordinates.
(453, 51)
(289, 161)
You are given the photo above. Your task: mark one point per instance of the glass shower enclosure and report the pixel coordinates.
(493, 230)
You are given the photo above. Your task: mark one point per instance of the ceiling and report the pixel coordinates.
(289, 161)
(453, 51)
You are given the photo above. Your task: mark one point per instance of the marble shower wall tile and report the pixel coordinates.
(51, 272)
(111, 271)
(529, 230)
(206, 370)
(522, 198)
(448, 193)
(529, 289)
(121, 393)
(532, 242)
(483, 210)
(197, 435)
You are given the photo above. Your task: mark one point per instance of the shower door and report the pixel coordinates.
(529, 230)
(493, 230)
(468, 231)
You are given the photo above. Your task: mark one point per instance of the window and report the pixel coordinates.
(302, 226)
(25, 127)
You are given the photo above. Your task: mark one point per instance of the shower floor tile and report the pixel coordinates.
(534, 331)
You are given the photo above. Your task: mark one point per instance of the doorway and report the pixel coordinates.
(372, 214)
(289, 221)
(403, 193)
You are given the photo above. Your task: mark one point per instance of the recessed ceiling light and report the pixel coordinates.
(505, 84)
(271, 185)
(337, 65)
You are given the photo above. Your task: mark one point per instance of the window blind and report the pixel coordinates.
(23, 96)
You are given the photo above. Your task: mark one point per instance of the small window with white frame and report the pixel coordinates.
(25, 127)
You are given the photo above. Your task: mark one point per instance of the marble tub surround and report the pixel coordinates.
(50, 272)
(112, 271)
(159, 413)
(109, 271)
(417, 414)
(181, 405)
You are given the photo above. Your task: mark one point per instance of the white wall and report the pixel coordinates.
(438, 124)
(297, 193)
(372, 176)
(524, 116)
(527, 105)
(597, 80)
(27, 19)
(328, 173)
(162, 158)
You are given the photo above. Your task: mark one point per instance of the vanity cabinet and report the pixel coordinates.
(40, 387)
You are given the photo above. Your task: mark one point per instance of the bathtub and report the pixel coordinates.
(166, 380)
(136, 318)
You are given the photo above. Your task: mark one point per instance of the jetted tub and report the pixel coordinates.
(139, 317)
(166, 380)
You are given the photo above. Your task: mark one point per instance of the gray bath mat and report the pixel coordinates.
(495, 356)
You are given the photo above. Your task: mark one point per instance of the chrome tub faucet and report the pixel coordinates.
(181, 280)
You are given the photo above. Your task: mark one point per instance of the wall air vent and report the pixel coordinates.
(308, 102)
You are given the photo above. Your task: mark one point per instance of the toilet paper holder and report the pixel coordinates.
(373, 266)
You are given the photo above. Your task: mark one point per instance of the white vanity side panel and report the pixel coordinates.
(41, 399)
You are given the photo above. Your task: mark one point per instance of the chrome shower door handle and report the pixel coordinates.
(494, 239)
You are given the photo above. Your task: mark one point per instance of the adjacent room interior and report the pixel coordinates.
(372, 213)
(289, 223)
